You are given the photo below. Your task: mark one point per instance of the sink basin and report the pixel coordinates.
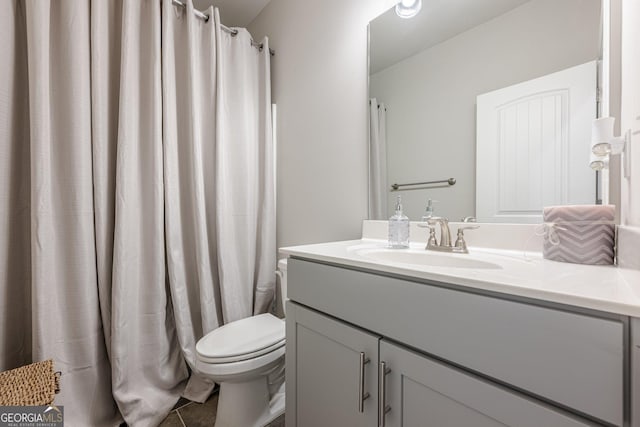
(425, 258)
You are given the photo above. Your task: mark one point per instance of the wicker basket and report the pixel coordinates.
(31, 385)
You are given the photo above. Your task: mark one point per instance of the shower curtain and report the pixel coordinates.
(228, 209)
(377, 160)
(136, 197)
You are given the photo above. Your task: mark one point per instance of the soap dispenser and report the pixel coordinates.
(399, 228)
(428, 211)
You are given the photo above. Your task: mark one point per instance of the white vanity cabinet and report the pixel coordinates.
(455, 357)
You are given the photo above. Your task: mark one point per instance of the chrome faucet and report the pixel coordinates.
(460, 246)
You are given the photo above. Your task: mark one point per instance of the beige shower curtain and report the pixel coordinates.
(219, 195)
(125, 173)
(49, 299)
(147, 368)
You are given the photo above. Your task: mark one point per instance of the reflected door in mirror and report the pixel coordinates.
(533, 142)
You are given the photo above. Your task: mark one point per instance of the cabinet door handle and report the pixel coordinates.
(362, 396)
(383, 408)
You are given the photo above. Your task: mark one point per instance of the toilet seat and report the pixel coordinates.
(243, 339)
(243, 368)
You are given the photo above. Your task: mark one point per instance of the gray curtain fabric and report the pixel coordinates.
(245, 197)
(48, 279)
(189, 56)
(147, 367)
(220, 211)
(135, 150)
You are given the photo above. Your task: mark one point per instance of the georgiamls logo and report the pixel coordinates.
(31, 416)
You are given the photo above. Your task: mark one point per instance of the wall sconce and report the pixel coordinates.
(604, 145)
(408, 8)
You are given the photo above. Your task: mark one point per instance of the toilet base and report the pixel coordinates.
(248, 404)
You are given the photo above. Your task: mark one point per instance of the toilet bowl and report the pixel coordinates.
(246, 358)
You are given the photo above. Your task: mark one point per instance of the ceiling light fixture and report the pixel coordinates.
(408, 8)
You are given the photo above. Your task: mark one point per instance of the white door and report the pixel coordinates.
(533, 142)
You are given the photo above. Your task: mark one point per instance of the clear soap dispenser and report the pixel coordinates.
(399, 228)
(428, 213)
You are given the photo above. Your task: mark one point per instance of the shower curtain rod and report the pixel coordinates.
(233, 32)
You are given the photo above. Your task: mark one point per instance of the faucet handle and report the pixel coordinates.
(469, 219)
(431, 242)
(460, 242)
(467, 227)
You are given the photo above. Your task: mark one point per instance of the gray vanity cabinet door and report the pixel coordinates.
(421, 392)
(635, 372)
(324, 355)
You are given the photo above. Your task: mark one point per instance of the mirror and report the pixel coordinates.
(497, 94)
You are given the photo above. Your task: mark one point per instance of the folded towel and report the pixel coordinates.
(580, 234)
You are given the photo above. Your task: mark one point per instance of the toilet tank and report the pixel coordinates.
(282, 274)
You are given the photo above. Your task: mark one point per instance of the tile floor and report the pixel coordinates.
(193, 414)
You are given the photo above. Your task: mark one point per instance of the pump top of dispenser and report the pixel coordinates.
(399, 214)
(399, 204)
(428, 213)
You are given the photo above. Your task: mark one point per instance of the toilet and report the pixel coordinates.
(246, 358)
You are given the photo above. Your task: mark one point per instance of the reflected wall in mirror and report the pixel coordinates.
(498, 94)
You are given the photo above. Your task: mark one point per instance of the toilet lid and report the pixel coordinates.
(242, 339)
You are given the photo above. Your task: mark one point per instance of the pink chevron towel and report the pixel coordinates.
(585, 234)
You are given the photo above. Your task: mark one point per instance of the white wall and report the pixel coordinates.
(320, 86)
(630, 117)
(431, 96)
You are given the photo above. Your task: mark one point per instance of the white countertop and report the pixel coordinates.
(605, 288)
